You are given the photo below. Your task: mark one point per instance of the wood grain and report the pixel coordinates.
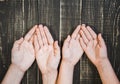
(61, 16)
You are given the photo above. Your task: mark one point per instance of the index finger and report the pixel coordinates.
(75, 33)
(48, 35)
(30, 33)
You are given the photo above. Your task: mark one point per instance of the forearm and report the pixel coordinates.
(50, 78)
(65, 74)
(107, 73)
(13, 76)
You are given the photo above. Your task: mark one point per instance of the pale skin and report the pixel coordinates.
(95, 48)
(47, 54)
(71, 54)
(21, 51)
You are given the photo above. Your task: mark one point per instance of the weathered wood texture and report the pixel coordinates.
(61, 16)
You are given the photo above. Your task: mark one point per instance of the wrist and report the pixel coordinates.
(49, 78)
(49, 73)
(15, 67)
(102, 63)
(66, 64)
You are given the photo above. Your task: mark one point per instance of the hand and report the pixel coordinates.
(72, 50)
(93, 45)
(23, 51)
(47, 51)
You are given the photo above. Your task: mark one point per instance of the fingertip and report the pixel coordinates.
(68, 38)
(36, 29)
(45, 29)
(88, 27)
(21, 38)
(35, 25)
(101, 40)
(83, 24)
(40, 25)
(78, 26)
(56, 42)
(99, 36)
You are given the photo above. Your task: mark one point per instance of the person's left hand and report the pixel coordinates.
(23, 52)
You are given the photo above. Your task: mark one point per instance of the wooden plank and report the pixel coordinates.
(4, 54)
(30, 18)
(62, 17)
(92, 14)
(18, 24)
(112, 32)
(70, 11)
(49, 15)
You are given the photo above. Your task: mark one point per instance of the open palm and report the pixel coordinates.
(47, 51)
(23, 51)
(72, 50)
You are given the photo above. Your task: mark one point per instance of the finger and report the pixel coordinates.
(56, 49)
(83, 45)
(36, 44)
(31, 40)
(101, 40)
(18, 43)
(39, 38)
(48, 35)
(75, 33)
(87, 33)
(44, 39)
(30, 33)
(84, 37)
(67, 41)
(78, 37)
(93, 34)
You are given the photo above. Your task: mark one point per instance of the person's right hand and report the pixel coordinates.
(72, 50)
(23, 51)
(93, 45)
(47, 51)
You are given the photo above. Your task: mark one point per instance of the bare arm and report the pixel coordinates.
(107, 73)
(66, 73)
(13, 75)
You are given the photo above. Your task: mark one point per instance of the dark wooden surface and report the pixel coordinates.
(61, 16)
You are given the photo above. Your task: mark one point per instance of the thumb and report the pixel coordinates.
(101, 40)
(18, 42)
(56, 49)
(66, 42)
